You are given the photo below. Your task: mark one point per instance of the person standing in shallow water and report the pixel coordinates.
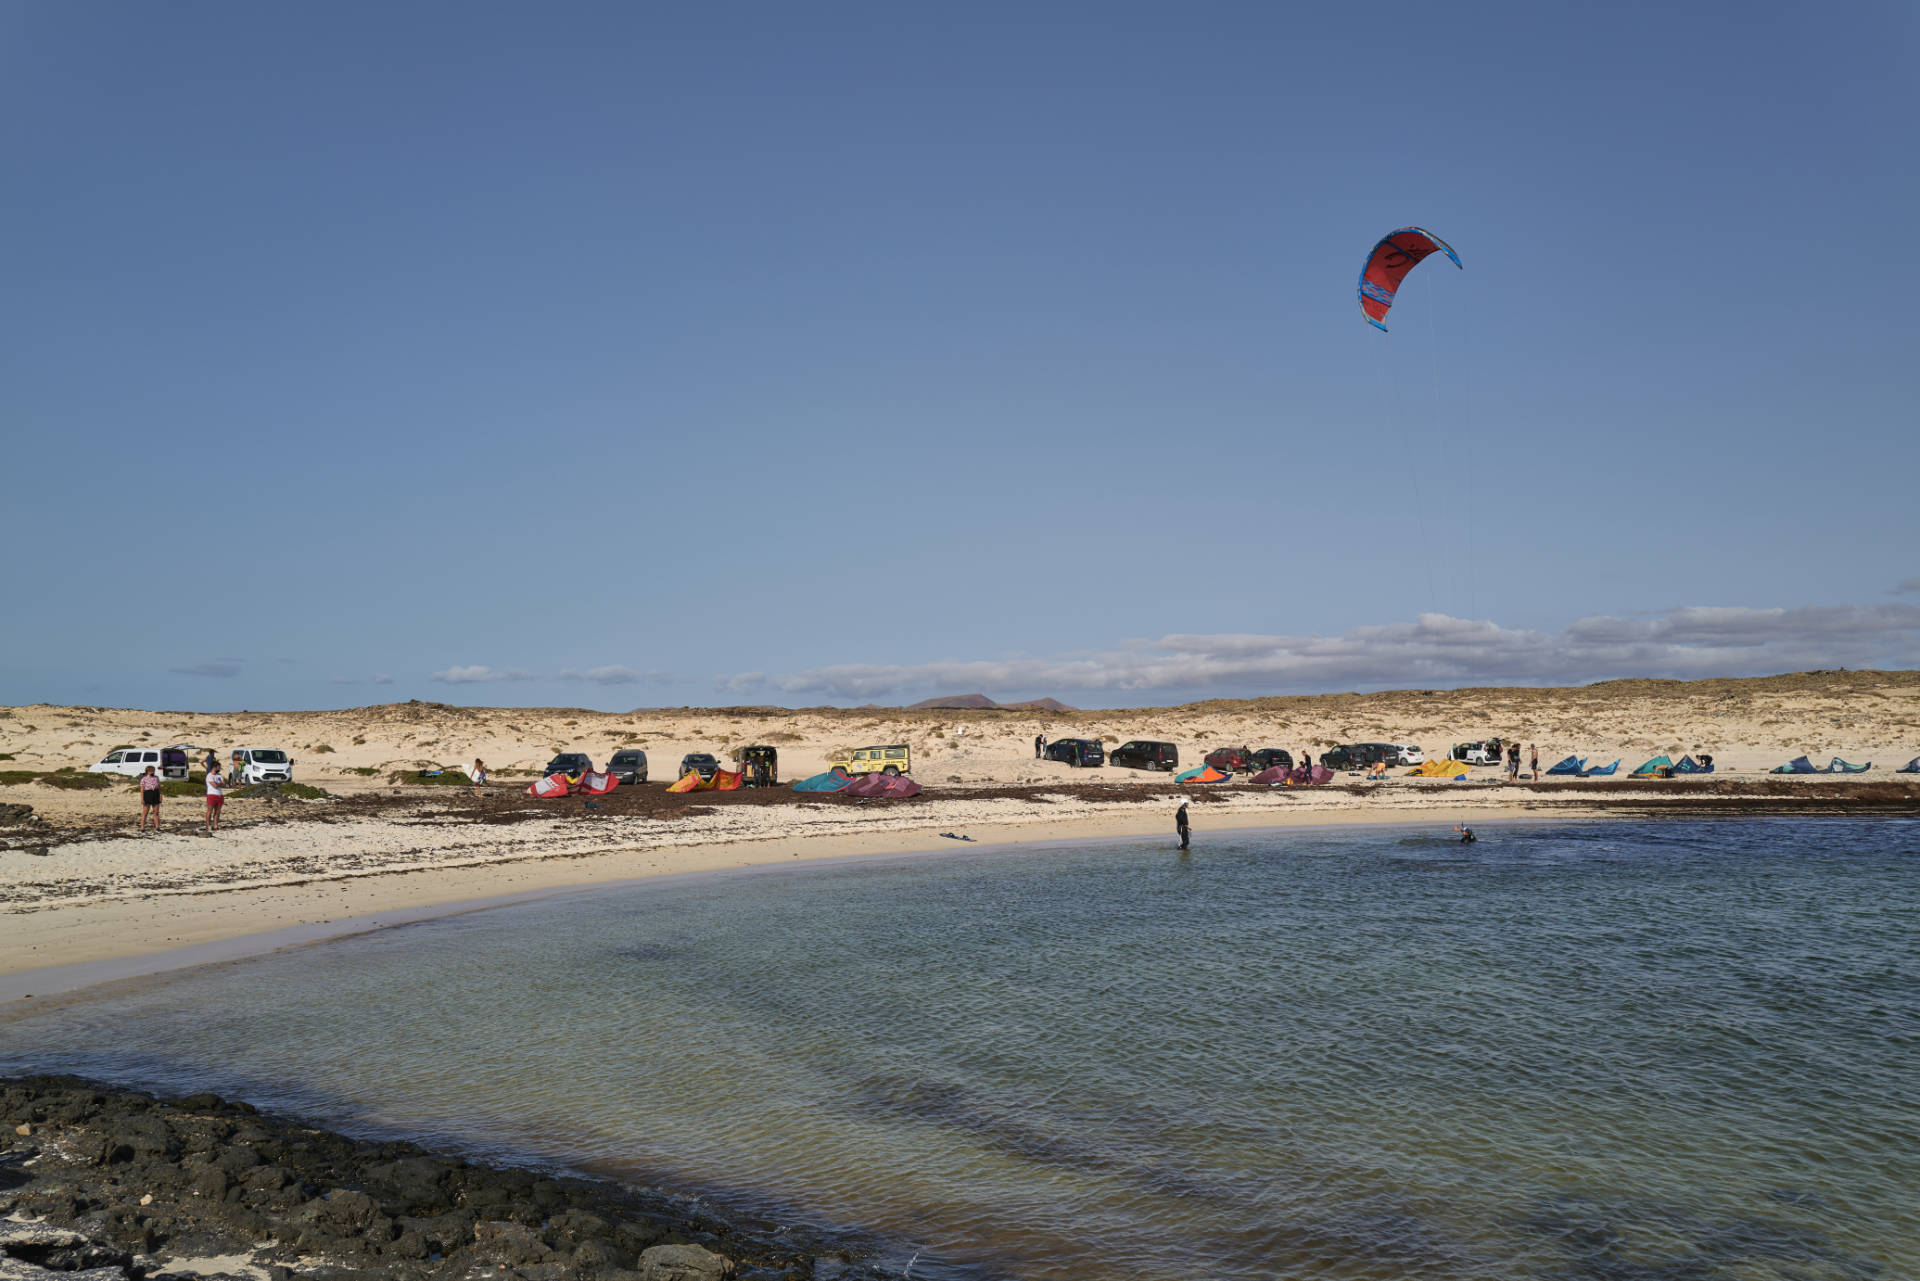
(1180, 825)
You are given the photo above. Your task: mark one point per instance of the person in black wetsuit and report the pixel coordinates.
(1466, 834)
(1180, 825)
(1039, 745)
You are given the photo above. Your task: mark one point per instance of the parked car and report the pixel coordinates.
(702, 763)
(1145, 754)
(262, 765)
(168, 762)
(893, 759)
(747, 758)
(1230, 760)
(1482, 751)
(1082, 752)
(1410, 754)
(570, 763)
(1268, 757)
(1358, 755)
(629, 765)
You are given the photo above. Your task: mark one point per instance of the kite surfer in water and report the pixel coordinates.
(1180, 825)
(1466, 834)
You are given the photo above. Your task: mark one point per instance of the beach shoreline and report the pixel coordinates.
(57, 943)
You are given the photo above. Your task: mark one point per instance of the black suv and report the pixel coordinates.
(629, 765)
(1077, 751)
(1268, 757)
(570, 763)
(701, 763)
(1145, 754)
(1358, 755)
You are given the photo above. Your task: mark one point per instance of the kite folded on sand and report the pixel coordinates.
(592, 783)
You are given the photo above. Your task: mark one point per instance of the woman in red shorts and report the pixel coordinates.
(216, 797)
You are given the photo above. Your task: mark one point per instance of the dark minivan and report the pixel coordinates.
(1145, 754)
(629, 765)
(1358, 755)
(570, 763)
(1077, 751)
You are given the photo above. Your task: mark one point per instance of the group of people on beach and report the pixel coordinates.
(150, 793)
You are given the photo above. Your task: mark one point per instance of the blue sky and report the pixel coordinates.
(621, 355)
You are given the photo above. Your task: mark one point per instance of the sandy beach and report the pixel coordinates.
(79, 886)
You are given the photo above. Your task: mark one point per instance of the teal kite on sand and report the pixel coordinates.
(1838, 766)
(833, 780)
(1653, 767)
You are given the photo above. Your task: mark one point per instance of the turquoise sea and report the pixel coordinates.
(1673, 1051)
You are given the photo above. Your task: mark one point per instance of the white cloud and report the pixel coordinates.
(617, 675)
(1910, 586)
(479, 674)
(381, 678)
(377, 679)
(1435, 649)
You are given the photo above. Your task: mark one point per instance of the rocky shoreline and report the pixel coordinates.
(113, 1184)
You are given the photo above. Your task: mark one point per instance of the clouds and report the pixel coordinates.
(378, 678)
(219, 669)
(480, 674)
(616, 675)
(1906, 587)
(1434, 649)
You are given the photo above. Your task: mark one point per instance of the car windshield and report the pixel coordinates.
(701, 758)
(269, 756)
(625, 758)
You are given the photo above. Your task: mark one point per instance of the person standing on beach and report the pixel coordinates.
(1513, 762)
(1180, 825)
(478, 773)
(149, 799)
(1306, 760)
(1039, 746)
(1533, 761)
(212, 762)
(216, 797)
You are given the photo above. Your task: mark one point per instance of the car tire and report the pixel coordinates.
(891, 771)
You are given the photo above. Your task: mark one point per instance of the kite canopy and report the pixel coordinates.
(1572, 765)
(1398, 253)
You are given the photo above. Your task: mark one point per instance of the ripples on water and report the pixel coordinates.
(1609, 1052)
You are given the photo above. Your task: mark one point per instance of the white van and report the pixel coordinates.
(168, 762)
(262, 765)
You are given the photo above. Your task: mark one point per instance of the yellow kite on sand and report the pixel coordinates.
(1439, 769)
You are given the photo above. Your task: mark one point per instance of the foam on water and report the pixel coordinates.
(1607, 1051)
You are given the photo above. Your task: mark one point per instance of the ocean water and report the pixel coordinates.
(1674, 1051)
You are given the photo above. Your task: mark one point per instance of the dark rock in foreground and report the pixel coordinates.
(107, 1184)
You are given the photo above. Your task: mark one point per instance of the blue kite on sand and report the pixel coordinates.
(1575, 765)
(1911, 767)
(1600, 771)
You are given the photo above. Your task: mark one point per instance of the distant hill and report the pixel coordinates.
(981, 703)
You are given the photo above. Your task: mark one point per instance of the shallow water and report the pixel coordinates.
(1623, 1052)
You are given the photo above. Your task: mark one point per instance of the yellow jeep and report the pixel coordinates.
(897, 759)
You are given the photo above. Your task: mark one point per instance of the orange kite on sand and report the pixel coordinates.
(722, 781)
